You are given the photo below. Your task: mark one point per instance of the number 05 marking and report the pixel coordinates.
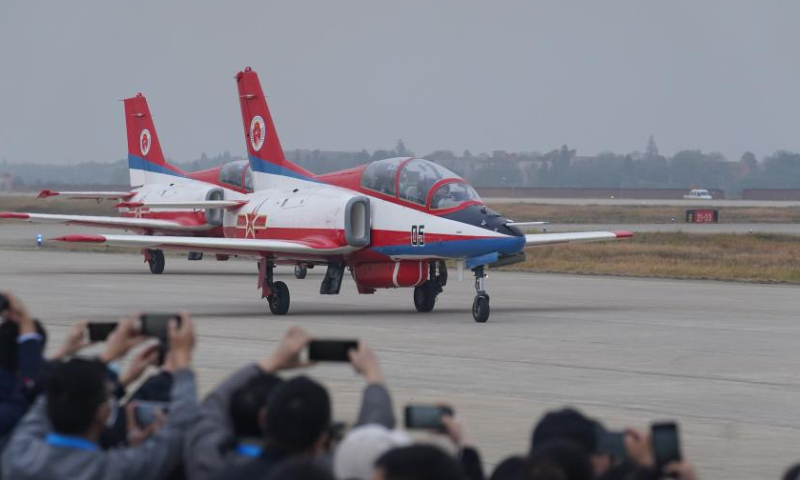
(418, 235)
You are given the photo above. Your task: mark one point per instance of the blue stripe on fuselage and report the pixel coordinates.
(457, 248)
(139, 163)
(264, 166)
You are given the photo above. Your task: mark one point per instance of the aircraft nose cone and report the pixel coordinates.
(484, 217)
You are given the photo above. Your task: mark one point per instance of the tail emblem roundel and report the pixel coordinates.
(144, 141)
(257, 132)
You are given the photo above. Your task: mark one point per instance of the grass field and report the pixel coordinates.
(522, 212)
(29, 203)
(746, 258)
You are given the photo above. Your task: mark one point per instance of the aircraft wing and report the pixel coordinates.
(197, 205)
(128, 223)
(232, 246)
(539, 239)
(86, 195)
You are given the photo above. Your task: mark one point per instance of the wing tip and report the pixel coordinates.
(15, 215)
(623, 234)
(47, 193)
(80, 239)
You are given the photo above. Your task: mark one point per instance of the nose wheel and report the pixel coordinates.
(480, 306)
(155, 260)
(300, 272)
(276, 293)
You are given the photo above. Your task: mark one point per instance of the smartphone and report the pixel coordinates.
(157, 325)
(147, 412)
(99, 331)
(331, 350)
(666, 443)
(612, 443)
(426, 417)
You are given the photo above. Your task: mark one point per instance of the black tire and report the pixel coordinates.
(425, 297)
(480, 309)
(279, 300)
(156, 262)
(300, 272)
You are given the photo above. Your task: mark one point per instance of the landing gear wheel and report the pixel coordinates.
(300, 271)
(480, 308)
(425, 297)
(156, 261)
(279, 300)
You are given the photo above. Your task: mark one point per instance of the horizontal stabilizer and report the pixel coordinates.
(217, 245)
(128, 223)
(86, 195)
(199, 205)
(539, 239)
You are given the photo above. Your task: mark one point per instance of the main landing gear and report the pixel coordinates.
(300, 271)
(276, 293)
(480, 306)
(155, 259)
(425, 295)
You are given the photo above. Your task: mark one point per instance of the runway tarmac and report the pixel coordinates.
(721, 358)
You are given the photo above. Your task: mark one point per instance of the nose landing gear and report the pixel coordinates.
(276, 293)
(155, 260)
(480, 306)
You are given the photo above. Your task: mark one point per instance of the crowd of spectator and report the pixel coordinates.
(72, 417)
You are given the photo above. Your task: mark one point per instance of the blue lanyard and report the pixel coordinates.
(248, 450)
(66, 441)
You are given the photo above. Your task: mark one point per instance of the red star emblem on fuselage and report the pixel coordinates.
(250, 222)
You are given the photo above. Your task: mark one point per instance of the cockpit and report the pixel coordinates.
(237, 174)
(420, 182)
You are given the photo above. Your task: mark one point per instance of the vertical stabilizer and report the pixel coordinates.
(268, 164)
(146, 162)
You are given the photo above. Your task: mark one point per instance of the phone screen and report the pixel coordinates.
(157, 325)
(331, 350)
(613, 444)
(666, 443)
(427, 417)
(99, 331)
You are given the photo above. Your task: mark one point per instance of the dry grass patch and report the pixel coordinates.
(747, 258)
(29, 203)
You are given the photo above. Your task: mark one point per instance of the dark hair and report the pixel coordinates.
(559, 458)
(419, 462)
(793, 473)
(511, 468)
(567, 424)
(298, 414)
(75, 391)
(247, 402)
(300, 469)
(9, 347)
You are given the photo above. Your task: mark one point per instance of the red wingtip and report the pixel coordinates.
(80, 238)
(623, 234)
(46, 193)
(15, 215)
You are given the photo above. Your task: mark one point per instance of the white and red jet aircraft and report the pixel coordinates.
(163, 199)
(392, 222)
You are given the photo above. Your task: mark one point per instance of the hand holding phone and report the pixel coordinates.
(331, 350)
(157, 325)
(426, 417)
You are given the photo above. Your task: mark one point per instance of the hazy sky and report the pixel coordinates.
(720, 75)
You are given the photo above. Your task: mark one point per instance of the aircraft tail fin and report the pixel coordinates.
(146, 161)
(269, 165)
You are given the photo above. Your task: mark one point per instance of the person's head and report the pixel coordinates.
(9, 348)
(298, 416)
(355, 457)
(248, 405)
(793, 473)
(300, 469)
(570, 424)
(417, 462)
(77, 398)
(558, 459)
(512, 468)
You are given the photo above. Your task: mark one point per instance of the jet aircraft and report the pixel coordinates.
(392, 223)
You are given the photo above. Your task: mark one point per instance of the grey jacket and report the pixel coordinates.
(205, 456)
(29, 457)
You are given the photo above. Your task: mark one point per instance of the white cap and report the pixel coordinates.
(356, 456)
